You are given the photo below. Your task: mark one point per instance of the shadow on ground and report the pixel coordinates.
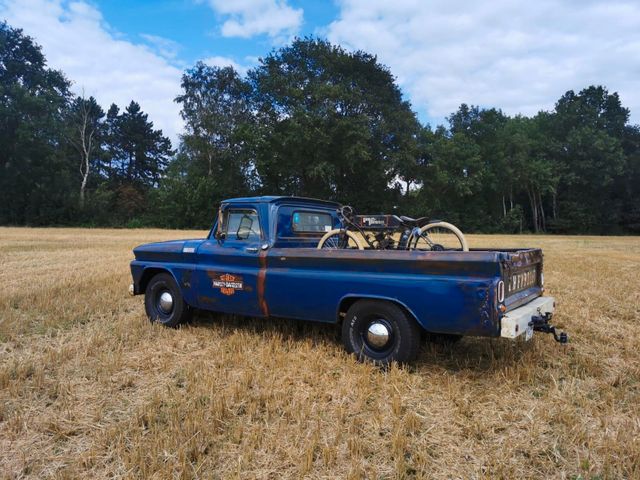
(470, 354)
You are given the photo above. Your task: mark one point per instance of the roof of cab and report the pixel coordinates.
(279, 199)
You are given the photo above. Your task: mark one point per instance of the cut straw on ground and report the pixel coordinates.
(90, 389)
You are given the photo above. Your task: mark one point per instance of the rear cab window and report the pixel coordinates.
(303, 225)
(311, 222)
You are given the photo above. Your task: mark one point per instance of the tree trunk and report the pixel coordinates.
(504, 207)
(534, 208)
(83, 185)
(542, 219)
(86, 146)
(130, 167)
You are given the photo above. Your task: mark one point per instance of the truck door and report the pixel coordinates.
(228, 263)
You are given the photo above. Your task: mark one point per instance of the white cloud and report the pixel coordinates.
(165, 47)
(218, 61)
(247, 18)
(520, 56)
(75, 39)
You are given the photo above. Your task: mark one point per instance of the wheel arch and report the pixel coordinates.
(149, 272)
(348, 300)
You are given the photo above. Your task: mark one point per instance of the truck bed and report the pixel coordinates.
(448, 292)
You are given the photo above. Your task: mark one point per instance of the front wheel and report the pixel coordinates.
(380, 332)
(438, 236)
(164, 303)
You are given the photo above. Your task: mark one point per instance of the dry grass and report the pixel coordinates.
(88, 388)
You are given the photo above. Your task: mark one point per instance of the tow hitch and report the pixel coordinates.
(540, 323)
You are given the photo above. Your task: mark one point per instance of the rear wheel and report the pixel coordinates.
(339, 239)
(164, 303)
(438, 236)
(380, 332)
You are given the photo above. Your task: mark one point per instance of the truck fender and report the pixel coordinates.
(350, 299)
(182, 277)
(148, 273)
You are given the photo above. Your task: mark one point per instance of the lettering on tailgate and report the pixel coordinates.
(522, 280)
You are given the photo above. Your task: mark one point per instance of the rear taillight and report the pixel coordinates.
(500, 291)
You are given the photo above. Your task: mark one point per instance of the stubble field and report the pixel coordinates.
(89, 389)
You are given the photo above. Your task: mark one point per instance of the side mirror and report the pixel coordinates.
(244, 229)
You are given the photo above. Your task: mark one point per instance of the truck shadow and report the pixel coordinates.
(472, 354)
(287, 329)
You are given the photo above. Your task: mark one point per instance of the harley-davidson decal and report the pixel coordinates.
(227, 283)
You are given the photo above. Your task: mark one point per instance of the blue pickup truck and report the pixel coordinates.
(260, 259)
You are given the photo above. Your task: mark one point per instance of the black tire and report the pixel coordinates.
(403, 342)
(157, 311)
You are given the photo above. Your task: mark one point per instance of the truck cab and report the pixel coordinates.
(279, 221)
(238, 243)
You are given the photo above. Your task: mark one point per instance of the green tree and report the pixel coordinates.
(311, 119)
(186, 199)
(219, 127)
(536, 171)
(332, 124)
(590, 127)
(35, 178)
(450, 177)
(139, 153)
(216, 154)
(485, 128)
(627, 185)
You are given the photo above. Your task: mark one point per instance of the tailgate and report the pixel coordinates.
(522, 277)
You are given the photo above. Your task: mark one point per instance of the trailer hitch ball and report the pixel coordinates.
(540, 323)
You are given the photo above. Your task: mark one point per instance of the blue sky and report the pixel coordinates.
(517, 55)
(195, 26)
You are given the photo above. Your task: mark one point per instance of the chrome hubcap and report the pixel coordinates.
(165, 302)
(378, 335)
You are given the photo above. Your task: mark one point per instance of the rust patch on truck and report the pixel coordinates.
(206, 300)
(261, 283)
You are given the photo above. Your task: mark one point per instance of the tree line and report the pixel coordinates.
(313, 120)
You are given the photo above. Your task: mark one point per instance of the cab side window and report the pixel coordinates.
(241, 224)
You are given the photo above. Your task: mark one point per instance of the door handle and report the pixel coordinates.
(251, 249)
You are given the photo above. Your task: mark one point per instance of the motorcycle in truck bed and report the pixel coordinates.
(261, 259)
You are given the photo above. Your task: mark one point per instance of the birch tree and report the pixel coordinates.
(85, 123)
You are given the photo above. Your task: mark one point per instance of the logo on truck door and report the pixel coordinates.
(227, 283)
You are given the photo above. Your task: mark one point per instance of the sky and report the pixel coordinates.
(520, 56)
